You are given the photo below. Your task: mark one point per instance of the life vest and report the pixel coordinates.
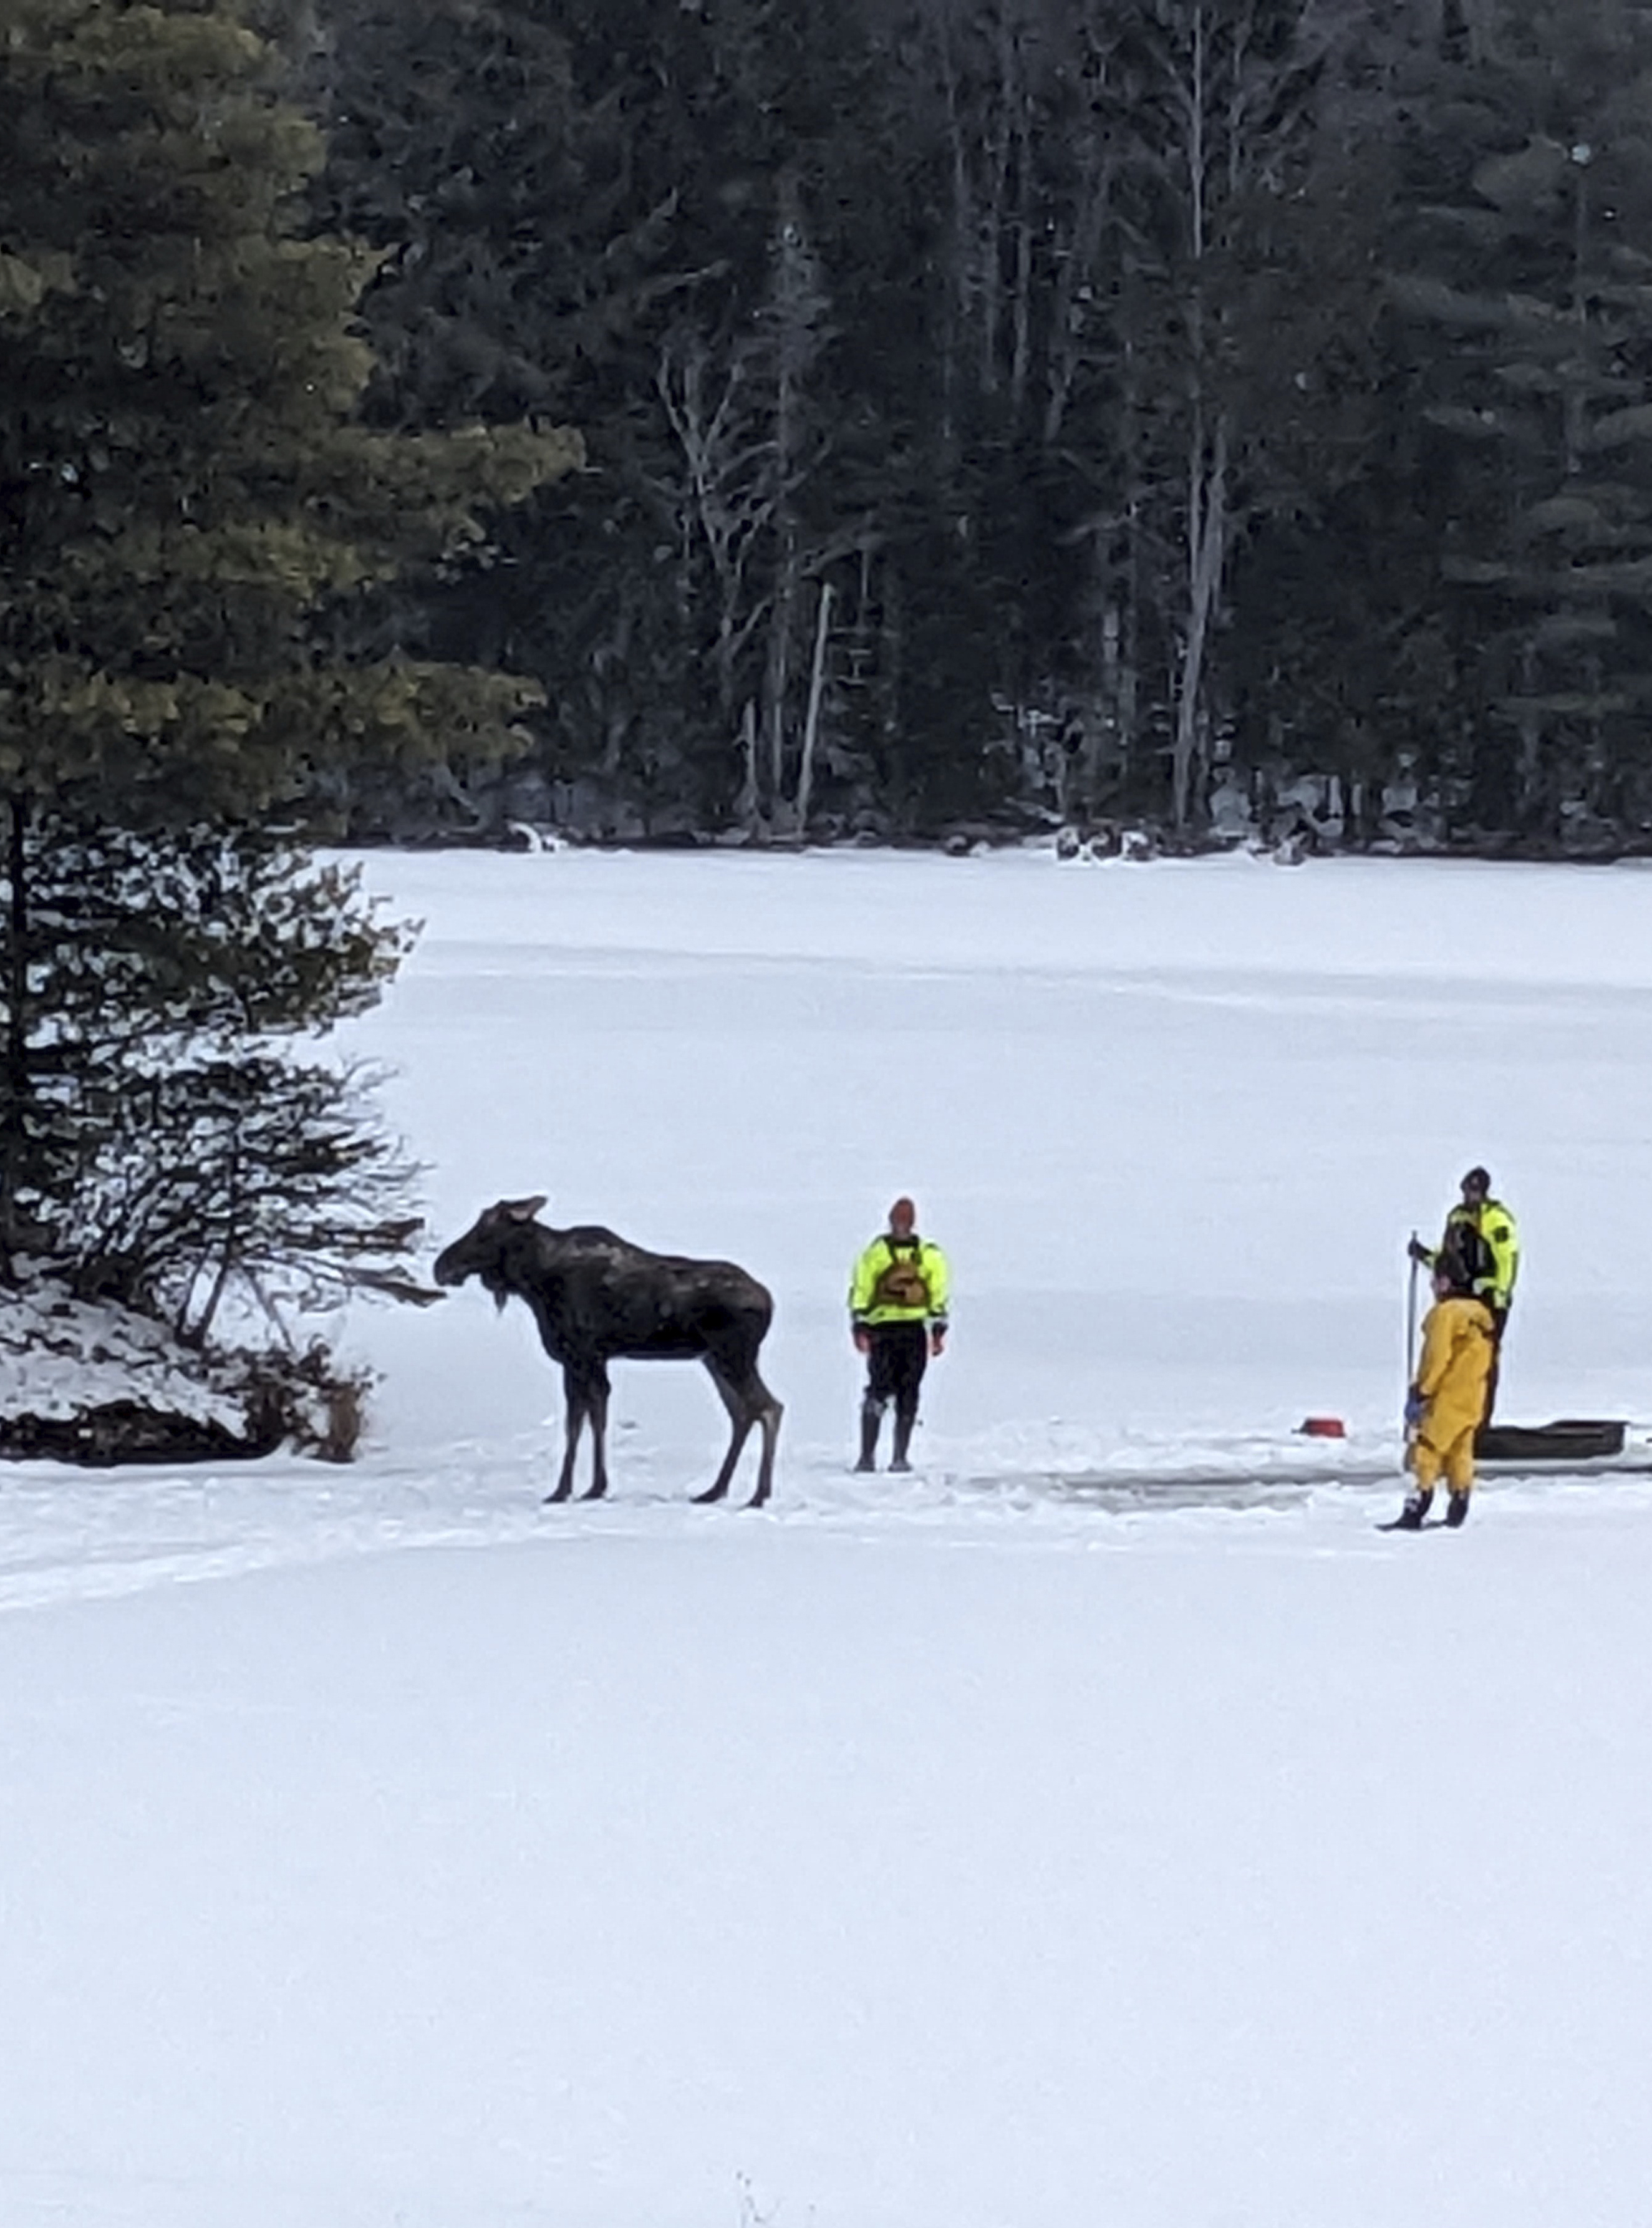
(1484, 1244)
(900, 1280)
(902, 1284)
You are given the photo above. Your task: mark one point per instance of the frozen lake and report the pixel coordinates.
(382, 1850)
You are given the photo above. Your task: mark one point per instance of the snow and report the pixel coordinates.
(61, 1356)
(989, 1849)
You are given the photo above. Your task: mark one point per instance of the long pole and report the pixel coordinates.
(1411, 1320)
(1411, 1333)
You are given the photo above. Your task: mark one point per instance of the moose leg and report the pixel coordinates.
(573, 1412)
(773, 1410)
(742, 1422)
(597, 1410)
(769, 1412)
(748, 1401)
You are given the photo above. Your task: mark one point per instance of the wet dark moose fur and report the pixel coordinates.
(595, 1298)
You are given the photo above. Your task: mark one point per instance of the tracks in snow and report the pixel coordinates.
(71, 1535)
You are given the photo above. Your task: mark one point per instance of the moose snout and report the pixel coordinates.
(448, 1268)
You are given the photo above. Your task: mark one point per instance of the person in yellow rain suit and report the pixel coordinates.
(1486, 1238)
(1446, 1403)
(898, 1319)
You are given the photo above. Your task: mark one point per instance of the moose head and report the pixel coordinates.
(483, 1250)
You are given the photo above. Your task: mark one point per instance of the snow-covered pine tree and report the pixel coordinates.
(179, 1148)
(190, 512)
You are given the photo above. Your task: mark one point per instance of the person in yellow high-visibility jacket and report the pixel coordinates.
(1485, 1239)
(898, 1299)
(1446, 1403)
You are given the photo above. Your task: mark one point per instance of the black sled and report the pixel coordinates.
(1571, 1441)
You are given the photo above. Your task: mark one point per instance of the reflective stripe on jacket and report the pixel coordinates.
(865, 1307)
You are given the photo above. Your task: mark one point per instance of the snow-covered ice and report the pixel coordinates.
(964, 1851)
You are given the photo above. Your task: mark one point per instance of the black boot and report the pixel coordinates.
(903, 1440)
(871, 1419)
(1417, 1507)
(1457, 1509)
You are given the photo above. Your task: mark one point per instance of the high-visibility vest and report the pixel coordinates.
(900, 1280)
(1499, 1233)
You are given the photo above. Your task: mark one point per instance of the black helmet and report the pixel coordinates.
(1478, 1179)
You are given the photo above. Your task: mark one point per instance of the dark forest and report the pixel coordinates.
(1206, 414)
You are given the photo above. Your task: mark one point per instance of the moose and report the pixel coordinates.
(595, 1298)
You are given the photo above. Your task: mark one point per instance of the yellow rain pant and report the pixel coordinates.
(1455, 1462)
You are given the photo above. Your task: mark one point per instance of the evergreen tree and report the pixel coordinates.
(532, 173)
(1528, 291)
(174, 1147)
(192, 518)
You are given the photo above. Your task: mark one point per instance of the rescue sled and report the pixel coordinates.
(1573, 1444)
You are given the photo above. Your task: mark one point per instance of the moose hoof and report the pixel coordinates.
(595, 1492)
(559, 1492)
(759, 1498)
(712, 1493)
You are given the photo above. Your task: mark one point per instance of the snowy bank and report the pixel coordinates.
(96, 1384)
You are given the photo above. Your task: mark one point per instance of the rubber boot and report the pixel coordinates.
(871, 1419)
(1417, 1507)
(903, 1440)
(1457, 1509)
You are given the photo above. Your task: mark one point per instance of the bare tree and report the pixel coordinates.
(749, 431)
(1217, 96)
(728, 499)
(794, 322)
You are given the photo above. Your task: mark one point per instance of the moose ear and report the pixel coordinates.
(524, 1210)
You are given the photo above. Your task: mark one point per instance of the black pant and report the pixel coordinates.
(895, 1366)
(1499, 1325)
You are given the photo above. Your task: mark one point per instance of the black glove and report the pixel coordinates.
(1418, 1252)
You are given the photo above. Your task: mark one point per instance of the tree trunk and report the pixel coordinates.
(957, 319)
(777, 676)
(1206, 552)
(812, 723)
(747, 805)
(989, 244)
(1021, 346)
(1075, 268)
(798, 303)
(14, 1074)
